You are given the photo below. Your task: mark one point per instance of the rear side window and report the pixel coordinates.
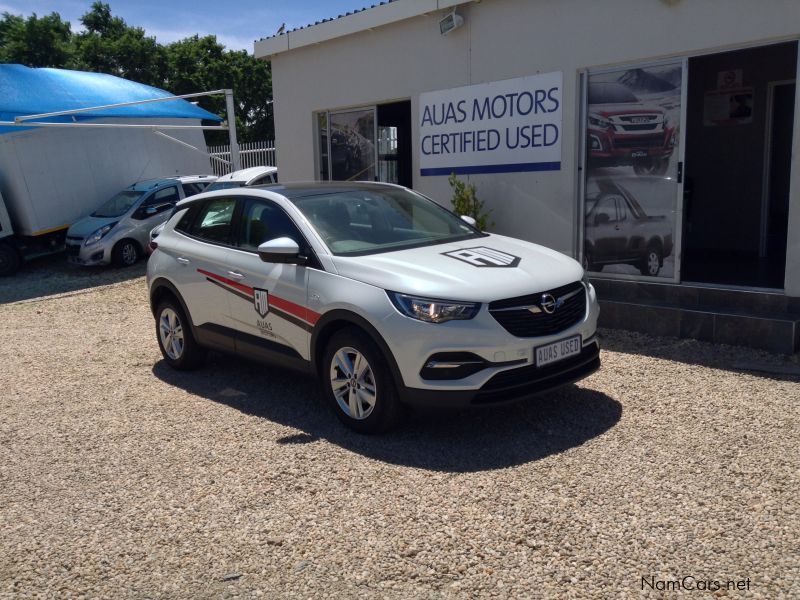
(211, 221)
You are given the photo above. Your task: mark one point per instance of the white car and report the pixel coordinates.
(246, 177)
(384, 295)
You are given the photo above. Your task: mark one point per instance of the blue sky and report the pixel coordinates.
(235, 23)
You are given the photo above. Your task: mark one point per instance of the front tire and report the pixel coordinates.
(175, 340)
(652, 262)
(357, 383)
(125, 253)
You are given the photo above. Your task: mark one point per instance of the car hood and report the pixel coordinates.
(433, 271)
(88, 225)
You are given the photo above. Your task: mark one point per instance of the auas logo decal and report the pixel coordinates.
(261, 301)
(484, 257)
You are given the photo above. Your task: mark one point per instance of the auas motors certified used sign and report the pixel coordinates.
(498, 127)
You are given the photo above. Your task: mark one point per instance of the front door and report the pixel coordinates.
(273, 322)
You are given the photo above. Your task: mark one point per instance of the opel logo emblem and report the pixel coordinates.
(548, 303)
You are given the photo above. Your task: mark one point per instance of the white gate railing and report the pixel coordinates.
(251, 154)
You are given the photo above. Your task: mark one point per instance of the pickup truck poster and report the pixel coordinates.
(631, 191)
(504, 126)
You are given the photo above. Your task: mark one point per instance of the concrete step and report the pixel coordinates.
(765, 320)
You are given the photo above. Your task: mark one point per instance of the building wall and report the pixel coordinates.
(502, 39)
(50, 177)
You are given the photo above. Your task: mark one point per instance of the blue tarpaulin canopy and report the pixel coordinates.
(27, 91)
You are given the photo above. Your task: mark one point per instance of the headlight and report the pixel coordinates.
(431, 310)
(599, 122)
(99, 234)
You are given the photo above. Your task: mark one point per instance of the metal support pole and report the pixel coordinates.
(235, 161)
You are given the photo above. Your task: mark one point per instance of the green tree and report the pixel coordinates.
(201, 63)
(109, 45)
(35, 41)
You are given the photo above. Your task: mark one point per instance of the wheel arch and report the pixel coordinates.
(338, 319)
(162, 288)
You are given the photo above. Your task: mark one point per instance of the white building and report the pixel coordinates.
(651, 138)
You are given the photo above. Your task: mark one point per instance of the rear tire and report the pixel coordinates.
(126, 253)
(357, 383)
(9, 260)
(175, 340)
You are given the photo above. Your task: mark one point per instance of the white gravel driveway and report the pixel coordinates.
(122, 478)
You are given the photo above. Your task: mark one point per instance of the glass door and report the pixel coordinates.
(352, 145)
(632, 185)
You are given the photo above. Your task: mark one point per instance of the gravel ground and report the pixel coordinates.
(122, 478)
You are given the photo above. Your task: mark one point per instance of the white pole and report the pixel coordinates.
(75, 111)
(232, 130)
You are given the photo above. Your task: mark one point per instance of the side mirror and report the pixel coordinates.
(470, 220)
(281, 250)
(150, 211)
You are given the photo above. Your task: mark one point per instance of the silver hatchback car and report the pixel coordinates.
(118, 231)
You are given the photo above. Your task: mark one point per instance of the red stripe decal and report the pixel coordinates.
(301, 312)
(226, 281)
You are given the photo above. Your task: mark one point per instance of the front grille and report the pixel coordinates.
(73, 250)
(645, 141)
(645, 127)
(521, 322)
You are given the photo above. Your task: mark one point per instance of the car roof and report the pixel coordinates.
(303, 189)
(149, 184)
(295, 190)
(247, 174)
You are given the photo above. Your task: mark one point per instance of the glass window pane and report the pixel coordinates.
(322, 139)
(353, 145)
(263, 221)
(215, 220)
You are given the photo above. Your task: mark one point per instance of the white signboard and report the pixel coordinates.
(498, 127)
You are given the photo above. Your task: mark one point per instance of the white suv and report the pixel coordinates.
(384, 295)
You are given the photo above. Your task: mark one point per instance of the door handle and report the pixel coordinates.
(183, 261)
(235, 274)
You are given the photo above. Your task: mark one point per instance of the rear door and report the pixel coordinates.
(202, 250)
(273, 322)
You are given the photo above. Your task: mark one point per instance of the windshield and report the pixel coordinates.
(224, 185)
(118, 205)
(368, 221)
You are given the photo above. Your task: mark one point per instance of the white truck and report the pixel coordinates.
(51, 178)
(15, 248)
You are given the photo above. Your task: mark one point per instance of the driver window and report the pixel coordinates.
(263, 221)
(606, 211)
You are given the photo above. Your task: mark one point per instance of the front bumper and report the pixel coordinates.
(96, 254)
(511, 385)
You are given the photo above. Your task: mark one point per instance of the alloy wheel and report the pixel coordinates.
(353, 383)
(171, 332)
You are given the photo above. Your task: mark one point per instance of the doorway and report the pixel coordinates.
(739, 126)
(394, 143)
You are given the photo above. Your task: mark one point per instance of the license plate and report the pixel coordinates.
(557, 351)
(639, 154)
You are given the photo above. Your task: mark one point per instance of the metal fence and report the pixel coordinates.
(251, 154)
